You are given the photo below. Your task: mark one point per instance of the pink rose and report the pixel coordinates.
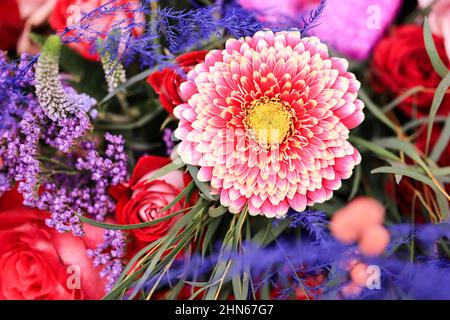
(38, 263)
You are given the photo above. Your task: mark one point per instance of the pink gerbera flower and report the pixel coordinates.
(267, 121)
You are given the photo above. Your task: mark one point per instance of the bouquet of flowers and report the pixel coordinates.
(228, 149)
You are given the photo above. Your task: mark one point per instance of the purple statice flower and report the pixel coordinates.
(168, 141)
(75, 180)
(84, 189)
(113, 167)
(63, 133)
(109, 255)
(63, 218)
(9, 151)
(28, 167)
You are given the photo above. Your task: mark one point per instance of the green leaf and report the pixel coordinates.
(437, 100)
(265, 236)
(408, 148)
(215, 212)
(433, 54)
(144, 224)
(112, 226)
(442, 142)
(37, 38)
(175, 165)
(136, 257)
(381, 152)
(440, 171)
(405, 172)
(417, 122)
(149, 116)
(441, 200)
(375, 110)
(180, 196)
(408, 93)
(356, 182)
(210, 231)
(203, 187)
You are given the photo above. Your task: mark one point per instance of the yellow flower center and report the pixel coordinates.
(269, 121)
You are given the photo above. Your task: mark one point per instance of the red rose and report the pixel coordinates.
(69, 12)
(401, 63)
(139, 201)
(167, 82)
(10, 24)
(37, 262)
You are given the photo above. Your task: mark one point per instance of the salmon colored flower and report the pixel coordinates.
(362, 221)
(349, 222)
(267, 121)
(374, 240)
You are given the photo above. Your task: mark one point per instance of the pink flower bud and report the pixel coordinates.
(359, 274)
(374, 240)
(349, 223)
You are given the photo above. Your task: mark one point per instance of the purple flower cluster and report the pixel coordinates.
(28, 171)
(15, 76)
(63, 133)
(81, 185)
(168, 141)
(113, 167)
(19, 148)
(9, 150)
(109, 254)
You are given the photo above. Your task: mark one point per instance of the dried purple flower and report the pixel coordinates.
(109, 254)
